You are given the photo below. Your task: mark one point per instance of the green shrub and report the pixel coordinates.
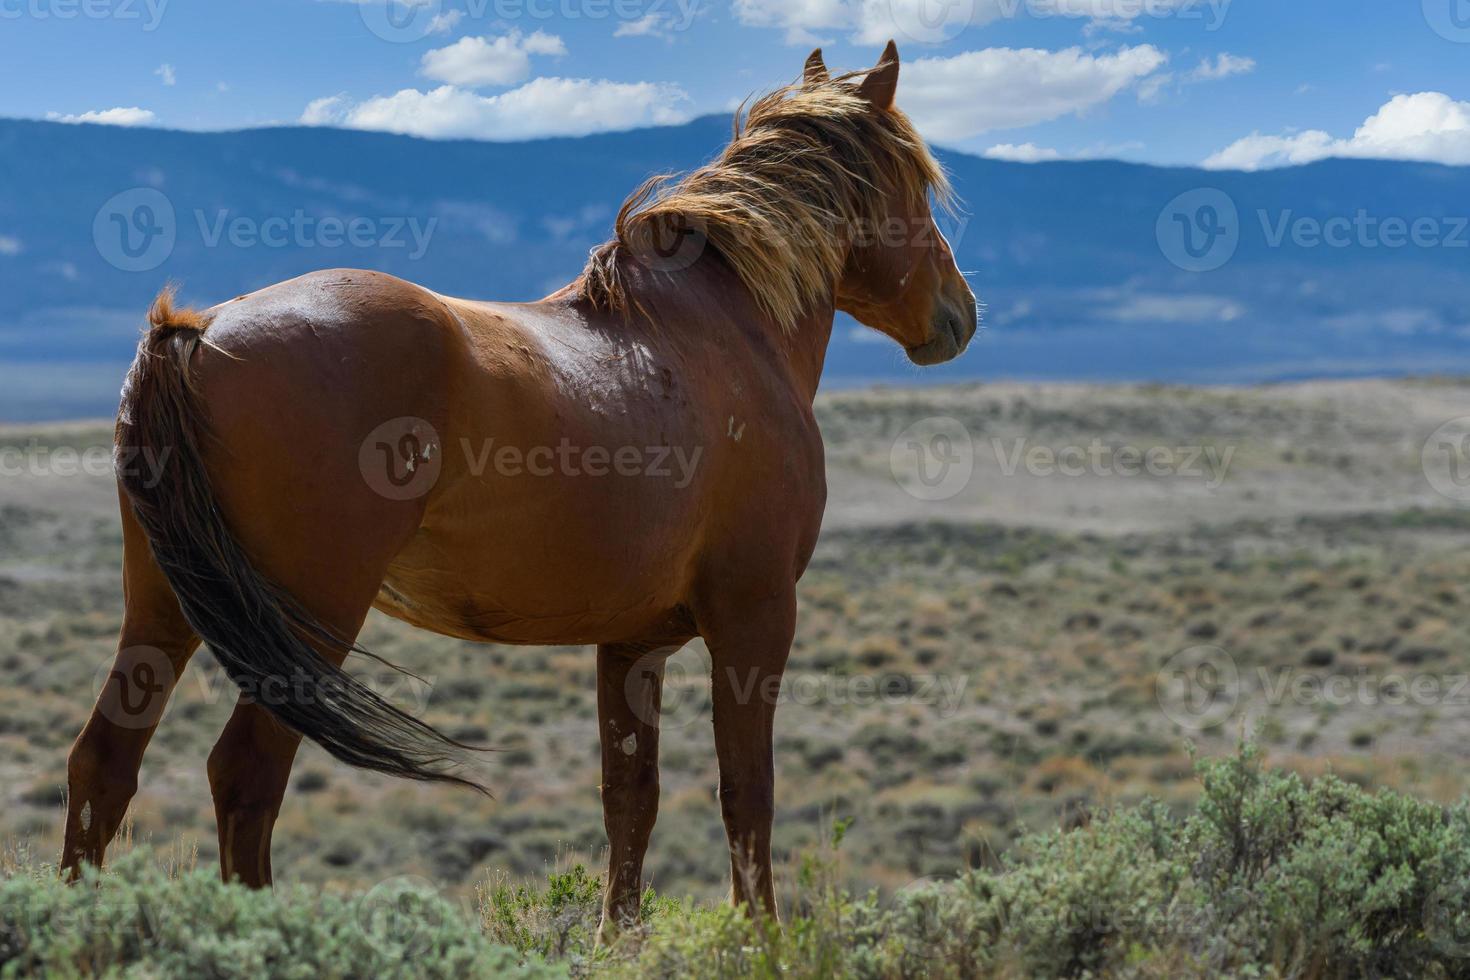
(1270, 876)
(136, 921)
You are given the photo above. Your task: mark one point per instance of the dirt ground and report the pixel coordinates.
(1030, 601)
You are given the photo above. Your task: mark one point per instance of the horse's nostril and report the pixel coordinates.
(960, 323)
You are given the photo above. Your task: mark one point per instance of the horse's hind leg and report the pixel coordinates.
(154, 646)
(250, 766)
(248, 770)
(315, 547)
(629, 687)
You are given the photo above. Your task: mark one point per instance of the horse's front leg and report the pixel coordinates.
(629, 688)
(748, 651)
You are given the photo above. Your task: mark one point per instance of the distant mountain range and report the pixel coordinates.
(1089, 270)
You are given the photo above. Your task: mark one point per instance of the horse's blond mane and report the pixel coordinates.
(812, 163)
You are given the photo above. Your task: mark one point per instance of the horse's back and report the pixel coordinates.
(567, 477)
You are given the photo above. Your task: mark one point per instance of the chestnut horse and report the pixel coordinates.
(631, 462)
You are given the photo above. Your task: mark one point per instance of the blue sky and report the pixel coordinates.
(1247, 83)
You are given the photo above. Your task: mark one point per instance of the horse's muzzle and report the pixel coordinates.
(950, 332)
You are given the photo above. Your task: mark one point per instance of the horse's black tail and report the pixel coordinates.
(259, 634)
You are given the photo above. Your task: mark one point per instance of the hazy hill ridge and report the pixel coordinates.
(1096, 270)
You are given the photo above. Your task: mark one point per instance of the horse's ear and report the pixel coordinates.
(815, 71)
(881, 84)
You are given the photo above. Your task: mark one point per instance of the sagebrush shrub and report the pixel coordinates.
(1270, 875)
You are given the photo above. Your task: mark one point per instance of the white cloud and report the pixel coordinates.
(1156, 308)
(9, 245)
(117, 116)
(1120, 16)
(472, 62)
(1151, 89)
(1031, 153)
(542, 43)
(799, 18)
(329, 110)
(649, 25)
(1003, 88)
(1224, 66)
(445, 22)
(1427, 126)
(1256, 151)
(875, 21)
(165, 71)
(1022, 153)
(542, 107)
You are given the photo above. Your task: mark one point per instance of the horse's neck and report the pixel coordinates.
(806, 347)
(803, 345)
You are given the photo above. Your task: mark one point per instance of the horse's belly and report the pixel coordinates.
(578, 572)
